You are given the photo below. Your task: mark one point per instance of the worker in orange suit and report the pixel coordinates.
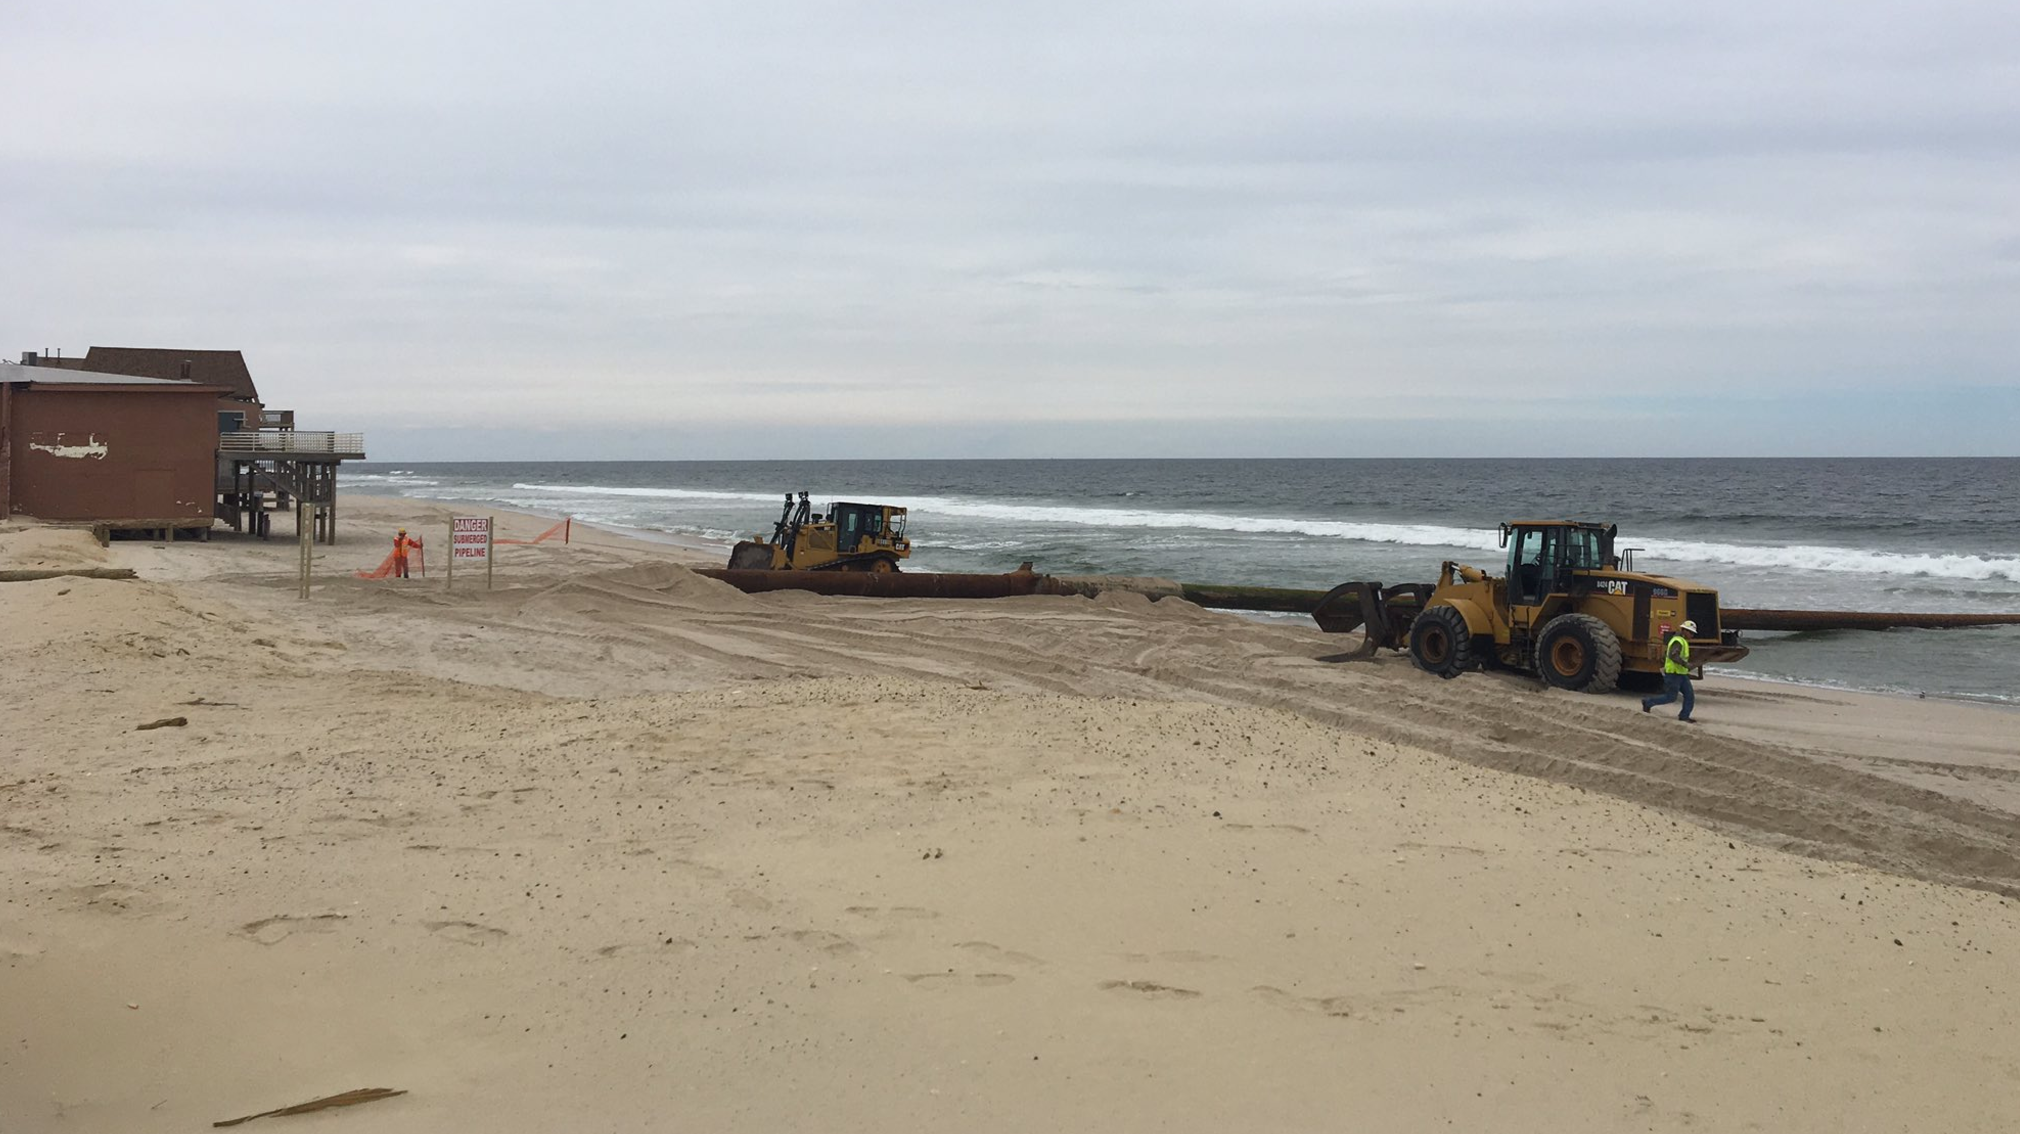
(401, 543)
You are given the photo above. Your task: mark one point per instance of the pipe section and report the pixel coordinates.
(1279, 600)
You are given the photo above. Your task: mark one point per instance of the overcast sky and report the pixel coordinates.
(1040, 229)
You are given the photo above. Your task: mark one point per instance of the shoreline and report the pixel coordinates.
(653, 536)
(697, 543)
(2008, 704)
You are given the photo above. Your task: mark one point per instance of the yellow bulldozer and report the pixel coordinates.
(847, 537)
(1568, 609)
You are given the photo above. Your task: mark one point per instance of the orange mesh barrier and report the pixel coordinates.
(561, 531)
(418, 565)
(379, 572)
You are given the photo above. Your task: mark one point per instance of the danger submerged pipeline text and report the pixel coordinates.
(470, 539)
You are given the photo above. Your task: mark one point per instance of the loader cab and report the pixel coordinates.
(1543, 555)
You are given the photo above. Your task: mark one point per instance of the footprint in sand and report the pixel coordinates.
(894, 913)
(1291, 827)
(1149, 989)
(998, 954)
(274, 930)
(467, 932)
(666, 946)
(953, 979)
(693, 869)
(1177, 956)
(745, 900)
(833, 944)
(1322, 1005)
(112, 897)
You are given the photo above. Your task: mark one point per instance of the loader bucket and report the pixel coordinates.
(1383, 614)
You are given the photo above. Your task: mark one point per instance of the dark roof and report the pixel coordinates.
(65, 376)
(224, 368)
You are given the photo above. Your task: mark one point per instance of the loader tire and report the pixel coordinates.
(1580, 653)
(1440, 643)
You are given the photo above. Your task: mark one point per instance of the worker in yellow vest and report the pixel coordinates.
(1676, 674)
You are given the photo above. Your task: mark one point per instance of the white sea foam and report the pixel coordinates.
(658, 493)
(1652, 552)
(1850, 560)
(396, 477)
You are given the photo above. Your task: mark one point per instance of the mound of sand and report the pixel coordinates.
(37, 547)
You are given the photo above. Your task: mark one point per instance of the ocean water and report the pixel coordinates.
(1829, 534)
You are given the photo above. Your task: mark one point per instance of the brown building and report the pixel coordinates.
(108, 448)
(239, 406)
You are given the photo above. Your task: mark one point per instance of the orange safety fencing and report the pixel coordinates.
(385, 568)
(562, 529)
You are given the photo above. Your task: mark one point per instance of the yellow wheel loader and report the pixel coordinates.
(848, 537)
(1568, 609)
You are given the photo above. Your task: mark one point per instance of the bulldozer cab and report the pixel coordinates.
(858, 527)
(1543, 555)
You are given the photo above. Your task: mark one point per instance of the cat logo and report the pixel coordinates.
(1614, 586)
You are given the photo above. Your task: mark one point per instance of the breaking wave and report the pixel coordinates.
(659, 493)
(396, 477)
(1850, 560)
(1798, 557)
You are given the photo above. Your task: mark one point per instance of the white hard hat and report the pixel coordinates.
(1688, 627)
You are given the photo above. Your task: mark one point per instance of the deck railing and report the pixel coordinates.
(284, 441)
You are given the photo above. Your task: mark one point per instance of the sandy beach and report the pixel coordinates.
(612, 846)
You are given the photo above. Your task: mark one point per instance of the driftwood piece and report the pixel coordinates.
(165, 722)
(348, 1098)
(29, 575)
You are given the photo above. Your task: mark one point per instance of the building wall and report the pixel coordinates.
(113, 453)
(6, 449)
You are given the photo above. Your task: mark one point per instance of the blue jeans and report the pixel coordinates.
(1672, 685)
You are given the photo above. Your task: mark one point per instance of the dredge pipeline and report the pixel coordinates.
(1284, 601)
(1859, 620)
(1278, 600)
(894, 584)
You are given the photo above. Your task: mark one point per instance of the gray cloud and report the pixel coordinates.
(1023, 227)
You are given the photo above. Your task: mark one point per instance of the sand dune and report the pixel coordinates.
(616, 847)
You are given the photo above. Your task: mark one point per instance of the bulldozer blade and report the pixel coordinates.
(750, 555)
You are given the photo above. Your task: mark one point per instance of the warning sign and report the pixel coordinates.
(470, 538)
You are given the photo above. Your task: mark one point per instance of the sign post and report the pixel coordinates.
(470, 540)
(305, 536)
